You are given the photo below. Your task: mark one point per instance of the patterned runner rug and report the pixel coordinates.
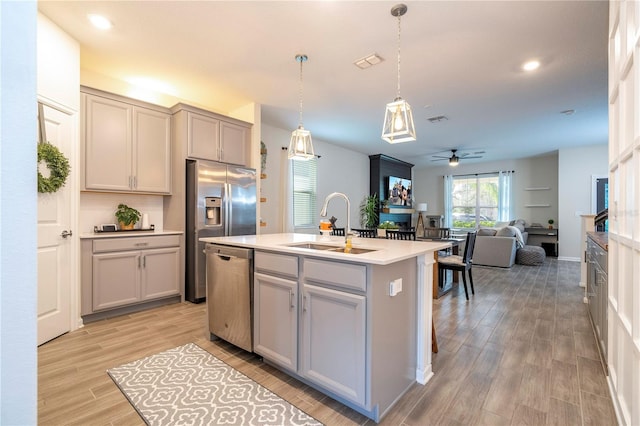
(189, 386)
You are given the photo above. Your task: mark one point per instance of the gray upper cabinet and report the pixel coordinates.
(126, 144)
(210, 136)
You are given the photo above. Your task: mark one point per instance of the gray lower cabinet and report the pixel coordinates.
(118, 272)
(276, 320)
(597, 295)
(323, 339)
(333, 341)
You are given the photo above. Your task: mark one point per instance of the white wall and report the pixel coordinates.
(529, 172)
(576, 166)
(18, 111)
(339, 170)
(97, 208)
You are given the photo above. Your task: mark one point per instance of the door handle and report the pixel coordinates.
(66, 234)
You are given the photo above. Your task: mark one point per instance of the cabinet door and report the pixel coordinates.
(203, 137)
(107, 144)
(152, 154)
(233, 143)
(160, 273)
(116, 279)
(333, 341)
(275, 320)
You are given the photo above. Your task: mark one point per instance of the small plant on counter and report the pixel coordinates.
(127, 216)
(550, 222)
(369, 211)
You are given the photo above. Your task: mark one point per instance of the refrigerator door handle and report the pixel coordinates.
(229, 212)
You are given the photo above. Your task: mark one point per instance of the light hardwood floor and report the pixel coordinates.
(521, 351)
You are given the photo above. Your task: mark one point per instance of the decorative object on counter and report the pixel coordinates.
(55, 160)
(301, 146)
(127, 216)
(113, 228)
(422, 207)
(398, 118)
(550, 222)
(333, 221)
(200, 390)
(369, 211)
(145, 221)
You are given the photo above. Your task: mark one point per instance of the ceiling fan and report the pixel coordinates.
(455, 159)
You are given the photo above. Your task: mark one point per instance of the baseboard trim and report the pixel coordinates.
(569, 259)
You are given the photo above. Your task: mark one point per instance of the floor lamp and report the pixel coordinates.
(422, 207)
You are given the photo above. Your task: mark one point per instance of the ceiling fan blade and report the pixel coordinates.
(440, 159)
(475, 156)
(439, 156)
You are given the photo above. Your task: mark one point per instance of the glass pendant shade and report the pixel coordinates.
(300, 146)
(398, 122)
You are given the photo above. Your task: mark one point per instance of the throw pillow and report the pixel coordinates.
(486, 232)
(520, 224)
(511, 231)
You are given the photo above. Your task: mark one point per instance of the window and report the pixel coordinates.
(304, 193)
(477, 200)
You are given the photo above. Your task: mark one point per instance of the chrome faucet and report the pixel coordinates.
(323, 212)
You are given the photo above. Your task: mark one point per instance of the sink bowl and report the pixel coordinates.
(354, 250)
(312, 246)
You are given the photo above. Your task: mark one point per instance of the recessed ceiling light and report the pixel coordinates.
(531, 65)
(99, 21)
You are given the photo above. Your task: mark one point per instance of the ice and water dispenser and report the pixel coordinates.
(212, 207)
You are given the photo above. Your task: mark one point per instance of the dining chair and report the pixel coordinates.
(366, 233)
(338, 231)
(459, 263)
(437, 233)
(393, 234)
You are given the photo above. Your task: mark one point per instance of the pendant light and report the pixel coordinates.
(301, 146)
(398, 118)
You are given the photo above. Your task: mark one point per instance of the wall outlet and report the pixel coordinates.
(395, 287)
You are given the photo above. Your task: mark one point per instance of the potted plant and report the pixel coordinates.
(369, 211)
(550, 221)
(387, 224)
(385, 206)
(127, 216)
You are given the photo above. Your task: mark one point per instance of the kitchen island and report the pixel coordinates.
(356, 326)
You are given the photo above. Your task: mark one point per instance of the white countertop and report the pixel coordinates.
(386, 251)
(93, 235)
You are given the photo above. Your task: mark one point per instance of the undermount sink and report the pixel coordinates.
(312, 246)
(354, 250)
(315, 246)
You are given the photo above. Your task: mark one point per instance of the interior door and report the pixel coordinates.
(54, 250)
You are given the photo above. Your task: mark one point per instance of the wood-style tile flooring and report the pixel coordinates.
(521, 351)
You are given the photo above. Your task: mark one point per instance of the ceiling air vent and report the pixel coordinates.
(368, 61)
(438, 118)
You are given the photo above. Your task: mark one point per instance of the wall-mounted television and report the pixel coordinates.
(399, 191)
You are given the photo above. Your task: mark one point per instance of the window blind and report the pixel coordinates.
(304, 193)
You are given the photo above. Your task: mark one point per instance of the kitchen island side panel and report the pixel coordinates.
(392, 334)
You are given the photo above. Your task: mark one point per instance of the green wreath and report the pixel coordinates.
(57, 164)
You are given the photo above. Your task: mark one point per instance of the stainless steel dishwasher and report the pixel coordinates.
(230, 294)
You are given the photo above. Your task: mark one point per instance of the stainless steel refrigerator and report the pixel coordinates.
(221, 201)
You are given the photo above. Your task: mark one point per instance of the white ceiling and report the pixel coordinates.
(460, 59)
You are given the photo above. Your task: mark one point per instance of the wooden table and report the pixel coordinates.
(448, 283)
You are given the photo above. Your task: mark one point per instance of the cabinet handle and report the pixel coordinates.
(135, 182)
(144, 261)
(304, 303)
(141, 244)
(139, 261)
(291, 300)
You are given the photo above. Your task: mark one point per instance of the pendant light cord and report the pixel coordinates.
(301, 60)
(399, 55)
